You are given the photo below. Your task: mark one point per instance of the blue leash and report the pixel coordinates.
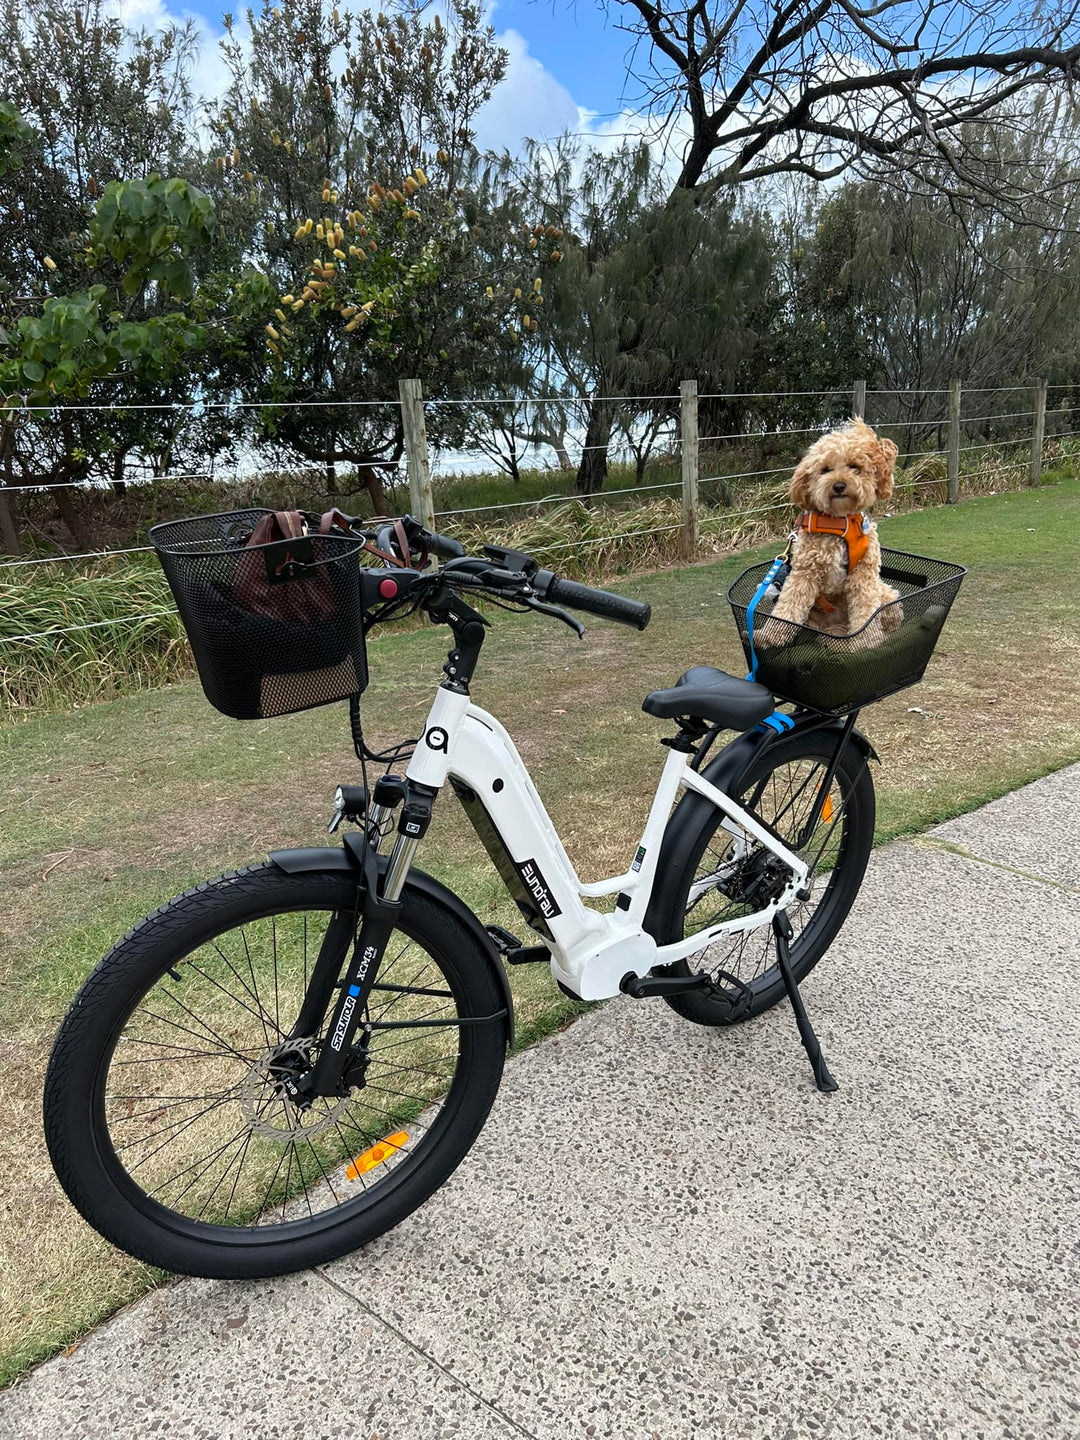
(773, 571)
(777, 721)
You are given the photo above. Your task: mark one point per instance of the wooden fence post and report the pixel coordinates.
(690, 510)
(421, 502)
(954, 442)
(1038, 430)
(858, 400)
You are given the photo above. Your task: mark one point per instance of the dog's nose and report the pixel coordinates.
(840, 487)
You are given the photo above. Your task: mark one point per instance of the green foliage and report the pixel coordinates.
(152, 229)
(14, 135)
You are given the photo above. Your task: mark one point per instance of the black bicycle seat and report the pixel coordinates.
(710, 694)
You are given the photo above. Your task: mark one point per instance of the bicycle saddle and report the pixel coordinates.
(710, 694)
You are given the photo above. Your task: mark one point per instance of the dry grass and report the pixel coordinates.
(110, 809)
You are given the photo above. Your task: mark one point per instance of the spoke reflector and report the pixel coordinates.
(376, 1155)
(827, 810)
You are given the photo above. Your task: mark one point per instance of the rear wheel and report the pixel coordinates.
(712, 875)
(166, 1113)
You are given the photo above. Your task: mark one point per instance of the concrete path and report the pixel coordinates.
(666, 1232)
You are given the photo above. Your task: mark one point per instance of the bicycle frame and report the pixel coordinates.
(592, 951)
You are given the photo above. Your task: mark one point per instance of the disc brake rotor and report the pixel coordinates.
(265, 1103)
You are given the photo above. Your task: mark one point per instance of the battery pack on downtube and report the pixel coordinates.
(379, 917)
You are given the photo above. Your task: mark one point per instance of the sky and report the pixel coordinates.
(567, 68)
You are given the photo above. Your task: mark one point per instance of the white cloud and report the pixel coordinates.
(530, 102)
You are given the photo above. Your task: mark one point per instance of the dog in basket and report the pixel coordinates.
(835, 583)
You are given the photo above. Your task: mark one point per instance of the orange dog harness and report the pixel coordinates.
(854, 530)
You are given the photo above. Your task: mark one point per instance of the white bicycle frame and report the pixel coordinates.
(591, 952)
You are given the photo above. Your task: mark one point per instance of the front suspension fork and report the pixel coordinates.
(380, 909)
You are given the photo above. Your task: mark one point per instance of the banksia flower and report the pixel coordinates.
(49, 263)
(326, 194)
(556, 255)
(219, 164)
(339, 254)
(288, 147)
(532, 243)
(538, 284)
(490, 293)
(236, 155)
(298, 304)
(327, 94)
(280, 314)
(319, 233)
(249, 176)
(517, 293)
(333, 197)
(287, 299)
(352, 325)
(421, 178)
(372, 246)
(410, 185)
(412, 214)
(442, 157)
(308, 223)
(274, 335)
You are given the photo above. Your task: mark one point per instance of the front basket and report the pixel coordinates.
(275, 628)
(839, 673)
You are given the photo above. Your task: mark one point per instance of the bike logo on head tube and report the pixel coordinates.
(537, 887)
(437, 739)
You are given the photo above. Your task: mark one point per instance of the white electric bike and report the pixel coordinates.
(280, 1064)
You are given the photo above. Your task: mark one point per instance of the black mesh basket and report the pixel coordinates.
(275, 628)
(838, 673)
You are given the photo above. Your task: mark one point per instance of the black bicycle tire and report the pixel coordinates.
(811, 944)
(73, 1117)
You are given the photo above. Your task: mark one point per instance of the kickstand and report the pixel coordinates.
(783, 932)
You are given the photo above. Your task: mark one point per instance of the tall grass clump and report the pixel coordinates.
(116, 653)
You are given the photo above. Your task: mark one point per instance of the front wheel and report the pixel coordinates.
(167, 1113)
(711, 874)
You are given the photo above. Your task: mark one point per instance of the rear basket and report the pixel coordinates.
(838, 673)
(275, 628)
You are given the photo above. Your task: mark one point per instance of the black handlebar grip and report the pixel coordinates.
(443, 546)
(599, 602)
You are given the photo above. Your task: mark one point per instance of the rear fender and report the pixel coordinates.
(341, 859)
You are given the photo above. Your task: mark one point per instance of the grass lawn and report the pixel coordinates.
(109, 810)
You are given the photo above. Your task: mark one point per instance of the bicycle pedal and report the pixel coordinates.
(639, 987)
(526, 954)
(502, 939)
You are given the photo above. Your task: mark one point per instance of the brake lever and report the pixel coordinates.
(558, 614)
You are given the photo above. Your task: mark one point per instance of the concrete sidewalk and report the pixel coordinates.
(666, 1232)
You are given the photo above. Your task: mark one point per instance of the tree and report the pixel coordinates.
(757, 88)
(648, 290)
(332, 123)
(936, 288)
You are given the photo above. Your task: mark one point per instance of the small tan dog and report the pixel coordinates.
(835, 583)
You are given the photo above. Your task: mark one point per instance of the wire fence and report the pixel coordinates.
(715, 499)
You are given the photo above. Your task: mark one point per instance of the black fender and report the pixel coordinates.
(340, 858)
(726, 772)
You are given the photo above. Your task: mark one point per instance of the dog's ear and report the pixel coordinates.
(887, 453)
(799, 489)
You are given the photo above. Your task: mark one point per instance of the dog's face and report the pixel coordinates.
(845, 471)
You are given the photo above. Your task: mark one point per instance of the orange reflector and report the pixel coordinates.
(827, 810)
(376, 1155)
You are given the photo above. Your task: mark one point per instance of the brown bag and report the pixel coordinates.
(302, 599)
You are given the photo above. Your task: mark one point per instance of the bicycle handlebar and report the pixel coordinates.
(603, 603)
